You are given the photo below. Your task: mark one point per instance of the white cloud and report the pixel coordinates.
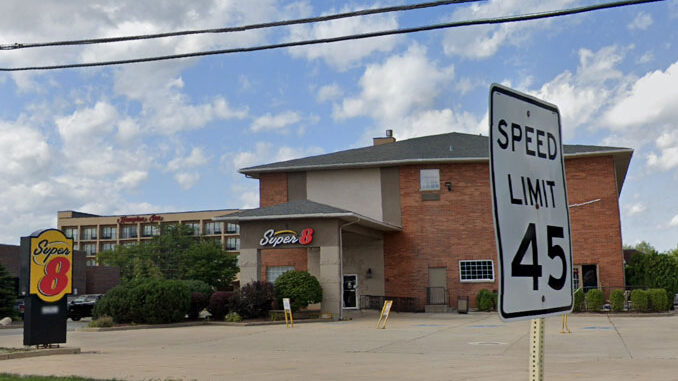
(329, 93)
(132, 179)
(343, 55)
(277, 122)
(265, 152)
(197, 158)
(635, 209)
(187, 179)
(480, 42)
(642, 21)
(24, 153)
(674, 221)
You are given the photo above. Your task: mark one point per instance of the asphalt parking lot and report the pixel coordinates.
(477, 346)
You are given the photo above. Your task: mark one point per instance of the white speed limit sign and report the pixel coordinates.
(531, 216)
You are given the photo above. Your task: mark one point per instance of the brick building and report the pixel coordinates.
(413, 219)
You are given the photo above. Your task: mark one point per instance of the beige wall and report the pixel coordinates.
(362, 253)
(358, 190)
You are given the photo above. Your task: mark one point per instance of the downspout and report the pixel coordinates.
(341, 266)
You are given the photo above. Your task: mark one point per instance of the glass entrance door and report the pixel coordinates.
(350, 298)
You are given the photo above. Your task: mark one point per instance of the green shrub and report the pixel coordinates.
(145, 301)
(301, 287)
(486, 300)
(657, 299)
(233, 317)
(617, 300)
(594, 300)
(253, 300)
(199, 286)
(102, 321)
(578, 300)
(639, 300)
(219, 304)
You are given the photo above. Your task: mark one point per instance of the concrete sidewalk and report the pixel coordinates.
(477, 346)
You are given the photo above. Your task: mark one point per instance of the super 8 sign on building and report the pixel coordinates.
(531, 215)
(51, 265)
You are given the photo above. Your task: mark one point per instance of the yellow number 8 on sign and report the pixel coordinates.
(51, 265)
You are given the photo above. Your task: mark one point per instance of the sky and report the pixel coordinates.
(171, 135)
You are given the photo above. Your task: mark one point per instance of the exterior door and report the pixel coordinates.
(589, 277)
(350, 298)
(437, 286)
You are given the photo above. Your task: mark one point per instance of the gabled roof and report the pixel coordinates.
(444, 148)
(305, 209)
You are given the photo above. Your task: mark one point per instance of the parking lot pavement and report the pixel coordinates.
(477, 346)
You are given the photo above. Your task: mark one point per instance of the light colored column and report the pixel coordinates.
(330, 280)
(250, 266)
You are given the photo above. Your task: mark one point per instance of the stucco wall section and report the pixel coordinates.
(362, 253)
(358, 190)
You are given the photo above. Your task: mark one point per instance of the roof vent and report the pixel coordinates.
(388, 139)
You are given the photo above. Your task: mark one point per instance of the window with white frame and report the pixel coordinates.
(89, 233)
(150, 230)
(212, 228)
(195, 226)
(129, 231)
(91, 262)
(476, 271)
(429, 179)
(107, 246)
(109, 232)
(273, 272)
(89, 248)
(232, 228)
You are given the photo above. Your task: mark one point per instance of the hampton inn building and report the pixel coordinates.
(411, 219)
(93, 233)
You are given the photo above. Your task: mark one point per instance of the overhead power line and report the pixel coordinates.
(308, 20)
(487, 21)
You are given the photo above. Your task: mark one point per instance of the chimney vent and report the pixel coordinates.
(388, 139)
(389, 133)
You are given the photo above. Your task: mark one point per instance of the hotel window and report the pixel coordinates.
(232, 228)
(71, 233)
(429, 179)
(89, 233)
(476, 271)
(150, 230)
(107, 247)
(212, 228)
(195, 226)
(232, 243)
(109, 232)
(89, 248)
(91, 262)
(273, 272)
(129, 231)
(128, 244)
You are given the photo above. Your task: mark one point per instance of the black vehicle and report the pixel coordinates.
(82, 306)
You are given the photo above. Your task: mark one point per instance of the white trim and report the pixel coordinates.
(477, 280)
(310, 215)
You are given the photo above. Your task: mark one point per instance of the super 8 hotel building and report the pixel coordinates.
(413, 219)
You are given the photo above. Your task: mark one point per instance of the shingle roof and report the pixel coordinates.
(435, 148)
(304, 209)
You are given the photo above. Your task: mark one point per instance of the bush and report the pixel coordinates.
(594, 300)
(198, 303)
(657, 299)
(219, 304)
(617, 300)
(253, 300)
(639, 300)
(301, 287)
(199, 286)
(233, 317)
(486, 300)
(102, 321)
(578, 300)
(145, 301)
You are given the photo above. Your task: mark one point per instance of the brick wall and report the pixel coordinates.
(459, 226)
(272, 189)
(283, 257)
(100, 279)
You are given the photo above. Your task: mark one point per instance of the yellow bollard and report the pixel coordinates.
(563, 326)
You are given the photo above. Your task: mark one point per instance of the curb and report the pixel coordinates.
(39, 353)
(198, 323)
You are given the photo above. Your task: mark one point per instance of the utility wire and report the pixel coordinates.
(308, 20)
(490, 21)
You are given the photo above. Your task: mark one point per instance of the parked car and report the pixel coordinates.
(82, 306)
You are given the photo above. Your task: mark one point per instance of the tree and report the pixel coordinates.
(7, 294)
(208, 262)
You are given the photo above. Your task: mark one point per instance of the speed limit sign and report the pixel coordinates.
(531, 215)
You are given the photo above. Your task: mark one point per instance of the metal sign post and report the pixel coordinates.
(537, 349)
(289, 323)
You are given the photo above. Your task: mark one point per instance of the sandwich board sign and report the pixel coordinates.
(531, 215)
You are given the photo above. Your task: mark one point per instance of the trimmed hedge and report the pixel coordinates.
(594, 300)
(486, 300)
(578, 300)
(219, 304)
(254, 300)
(145, 301)
(199, 286)
(617, 300)
(657, 299)
(639, 300)
(300, 286)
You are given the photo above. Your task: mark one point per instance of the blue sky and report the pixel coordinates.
(170, 136)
